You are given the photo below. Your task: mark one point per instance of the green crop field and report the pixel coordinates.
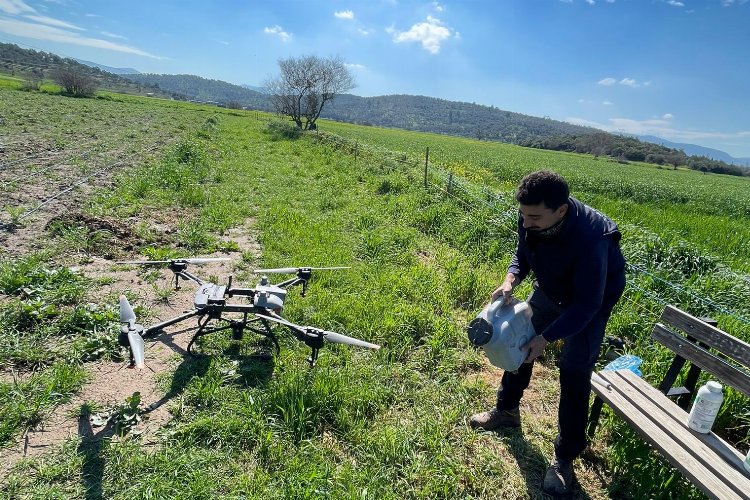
(361, 424)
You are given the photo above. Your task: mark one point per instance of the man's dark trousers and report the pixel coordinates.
(577, 360)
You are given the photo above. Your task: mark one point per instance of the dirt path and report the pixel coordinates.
(111, 383)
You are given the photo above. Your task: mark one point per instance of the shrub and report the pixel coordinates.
(279, 130)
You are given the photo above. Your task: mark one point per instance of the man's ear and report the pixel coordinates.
(562, 210)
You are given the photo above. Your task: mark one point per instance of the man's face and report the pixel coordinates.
(539, 217)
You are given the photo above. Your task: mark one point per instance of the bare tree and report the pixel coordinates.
(305, 85)
(75, 81)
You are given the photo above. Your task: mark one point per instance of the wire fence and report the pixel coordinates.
(473, 197)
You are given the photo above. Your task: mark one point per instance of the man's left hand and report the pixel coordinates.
(535, 346)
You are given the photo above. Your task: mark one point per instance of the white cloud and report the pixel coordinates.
(660, 128)
(53, 22)
(627, 81)
(729, 3)
(112, 35)
(51, 33)
(354, 65)
(675, 3)
(438, 7)
(363, 31)
(278, 31)
(607, 103)
(15, 7)
(390, 30)
(590, 2)
(667, 116)
(430, 33)
(344, 14)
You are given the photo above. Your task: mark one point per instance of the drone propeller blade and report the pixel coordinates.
(143, 262)
(137, 348)
(279, 270)
(126, 312)
(338, 338)
(334, 337)
(190, 260)
(203, 260)
(289, 270)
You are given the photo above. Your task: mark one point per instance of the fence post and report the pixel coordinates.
(450, 182)
(426, 160)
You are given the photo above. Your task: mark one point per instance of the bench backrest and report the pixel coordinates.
(730, 360)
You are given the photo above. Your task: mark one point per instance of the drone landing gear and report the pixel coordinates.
(238, 328)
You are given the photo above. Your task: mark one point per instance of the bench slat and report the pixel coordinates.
(701, 357)
(732, 456)
(719, 340)
(674, 423)
(682, 449)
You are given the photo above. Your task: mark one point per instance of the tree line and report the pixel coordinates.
(624, 149)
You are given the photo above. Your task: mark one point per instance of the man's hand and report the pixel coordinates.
(535, 346)
(505, 290)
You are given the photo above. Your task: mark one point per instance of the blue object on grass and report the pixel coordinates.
(625, 362)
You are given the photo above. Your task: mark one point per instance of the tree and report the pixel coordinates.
(305, 85)
(75, 81)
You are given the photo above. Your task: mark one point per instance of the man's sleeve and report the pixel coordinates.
(589, 281)
(518, 264)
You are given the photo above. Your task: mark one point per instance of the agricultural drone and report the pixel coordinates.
(266, 301)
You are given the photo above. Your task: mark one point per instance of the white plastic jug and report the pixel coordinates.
(705, 407)
(500, 330)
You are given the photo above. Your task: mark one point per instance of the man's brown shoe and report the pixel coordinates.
(495, 419)
(559, 478)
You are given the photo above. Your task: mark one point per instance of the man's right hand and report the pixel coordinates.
(504, 291)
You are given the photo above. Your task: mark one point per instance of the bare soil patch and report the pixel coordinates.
(111, 383)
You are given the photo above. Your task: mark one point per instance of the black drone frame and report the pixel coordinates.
(266, 301)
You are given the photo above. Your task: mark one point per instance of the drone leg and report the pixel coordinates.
(313, 357)
(198, 333)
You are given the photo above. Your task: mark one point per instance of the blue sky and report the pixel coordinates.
(675, 69)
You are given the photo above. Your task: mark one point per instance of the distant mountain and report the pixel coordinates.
(695, 150)
(109, 69)
(201, 89)
(430, 114)
(262, 90)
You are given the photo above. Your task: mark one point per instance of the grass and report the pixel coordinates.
(386, 424)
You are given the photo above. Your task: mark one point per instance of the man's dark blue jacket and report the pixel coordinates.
(581, 269)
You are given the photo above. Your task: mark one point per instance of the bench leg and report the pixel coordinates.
(596, 410)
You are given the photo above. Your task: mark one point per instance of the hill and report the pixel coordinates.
(409, 112)
(196, 88)
(695, 150)
(109, 69)
(36, 66)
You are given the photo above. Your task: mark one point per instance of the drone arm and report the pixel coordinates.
(157, 328)
(290, 282)
(185, 274)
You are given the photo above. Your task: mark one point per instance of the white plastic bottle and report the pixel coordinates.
(706, 407)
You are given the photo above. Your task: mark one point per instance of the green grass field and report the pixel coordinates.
(361, 424)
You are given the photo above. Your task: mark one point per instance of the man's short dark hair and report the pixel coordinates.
(543, 187)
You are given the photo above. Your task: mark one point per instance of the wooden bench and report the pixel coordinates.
(708, 461)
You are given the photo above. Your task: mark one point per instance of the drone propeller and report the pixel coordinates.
(194, 260)
(334, 337)
(289, 270)
(133, 331)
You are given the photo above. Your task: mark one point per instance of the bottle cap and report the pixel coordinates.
(714, 386)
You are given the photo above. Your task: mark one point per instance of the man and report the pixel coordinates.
(574, 253)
